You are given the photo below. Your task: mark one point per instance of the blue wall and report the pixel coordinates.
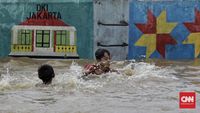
(181, 42)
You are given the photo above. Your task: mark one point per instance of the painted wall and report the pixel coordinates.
(111, 12)
(74, 12)
(164, 29)
(168, 29)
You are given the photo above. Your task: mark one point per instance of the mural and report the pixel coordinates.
(154, 37)
(194, 36)
(44, 34)
(67, 23)
(168, 30)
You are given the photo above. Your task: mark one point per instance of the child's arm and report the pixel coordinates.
(92, 69)
(98, 71)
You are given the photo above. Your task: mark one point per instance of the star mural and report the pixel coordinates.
(156, 34)
(194, 36)
(195, 26)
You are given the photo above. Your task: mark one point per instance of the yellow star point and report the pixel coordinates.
(148, 40)
(162, 25)
(194, 38)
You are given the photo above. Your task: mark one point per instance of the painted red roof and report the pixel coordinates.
(42, 18)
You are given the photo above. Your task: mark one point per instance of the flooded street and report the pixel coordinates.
(151, 86)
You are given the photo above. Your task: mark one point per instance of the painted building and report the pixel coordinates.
(129, 29)
(77, 14)
(44, 34)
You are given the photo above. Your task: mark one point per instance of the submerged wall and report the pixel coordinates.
(130, 29)
(109, 30)
(74, 12)
(168, 29)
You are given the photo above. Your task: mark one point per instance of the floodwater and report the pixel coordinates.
(151, 86)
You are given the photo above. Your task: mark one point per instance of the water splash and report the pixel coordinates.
(138, 83)
(69, 78)
(145, 70)
(5, 80)
(76, 68)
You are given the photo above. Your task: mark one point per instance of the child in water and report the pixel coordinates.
(46, 73)
(101, 66)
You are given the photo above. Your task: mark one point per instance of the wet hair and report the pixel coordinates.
(46, 73)
(100, 53)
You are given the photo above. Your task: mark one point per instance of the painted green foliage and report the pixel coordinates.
(74, 13)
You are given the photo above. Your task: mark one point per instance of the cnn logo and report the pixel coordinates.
(187, 100)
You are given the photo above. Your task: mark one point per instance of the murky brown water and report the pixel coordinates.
(151, 86)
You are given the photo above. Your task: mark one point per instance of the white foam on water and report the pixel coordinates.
(5, 80)
(141, 70)
(136, 84)
(70, 79)
(145, 70)
(14, 80)
(76, 72)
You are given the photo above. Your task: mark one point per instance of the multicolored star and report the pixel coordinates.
(194, 37)
(156, 33)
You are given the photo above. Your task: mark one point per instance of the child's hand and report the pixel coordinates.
(99, 68)
(104, 66)
(89, 69)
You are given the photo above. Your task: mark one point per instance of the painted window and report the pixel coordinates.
(62, 38)
(43, 38)
(24, 37)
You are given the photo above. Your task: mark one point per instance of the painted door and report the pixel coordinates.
(43, 42)
(42, 39)
(111, 27)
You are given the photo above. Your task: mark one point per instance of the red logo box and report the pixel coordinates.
(187, 100)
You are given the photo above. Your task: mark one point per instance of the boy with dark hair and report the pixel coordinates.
(46, 73)
(102, 55)
(101, 66)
